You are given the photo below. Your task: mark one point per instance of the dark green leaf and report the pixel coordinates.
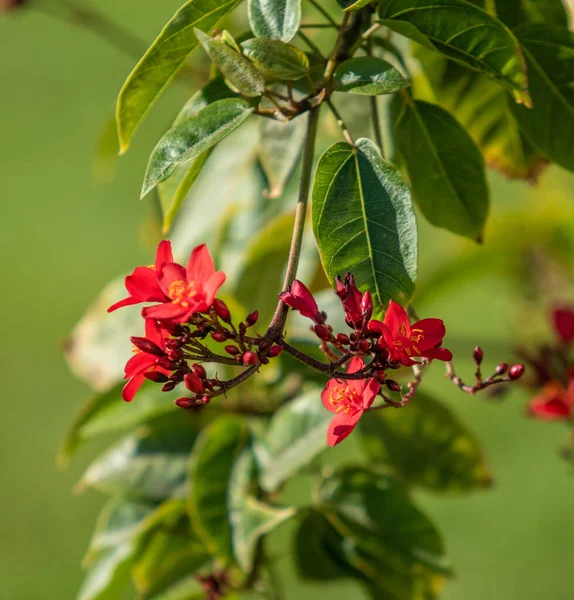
(163, 60)
(275, 19)
(235, 67)
(549, 53)
(277, 59)
(193, 136)
(369, 76)
(280, 146)
(517, 12)
(250, 518)
(210, 470)
(427, 445)
(445, 167)
(364, 222)
(259, 284)
(464, 33)
(109, 575)
(295, 436)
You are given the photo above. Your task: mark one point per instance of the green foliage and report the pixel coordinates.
(364, 222)
(275, 19)
(276, 59)
(368, 76)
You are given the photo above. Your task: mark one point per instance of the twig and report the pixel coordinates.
(327, 16)
(341, 123)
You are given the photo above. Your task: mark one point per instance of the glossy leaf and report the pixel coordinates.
(549, 53)
(275, 19)
(163, 60)
(351, 5)
(427, 445)
(250, 518)
(295, 436)
(364, 222)
(368, 76)
(280, 146)
(445, 167)
(464, 33)
(259, 283)
(108, 577)
(193, 136)
(277, 59)
(517, 12)
(239, 71)
(210, 470)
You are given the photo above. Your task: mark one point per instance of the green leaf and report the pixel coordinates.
(464, 33)
(108, 577)
(193, 136)
(163, 60)
(239, 71)
(188, 588)
(259, 284)
(445, 167)
(275, 19)
(210, 470)
(364, 222)
(280, 146)
(276, 59)
(549, 53)
(427, 445)
(517, 12)
(351, 5)
(149, 465)
(216, 89)
(295, 436)
(368, 76)
(250, 518)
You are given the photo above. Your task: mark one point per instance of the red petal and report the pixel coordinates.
(376, 326)
(552, 410)
(163, 256)
(139, 363)
(212, 285)
(395, 318)
(438, 354)
(200, 265)
(125, 302)
(355, 364)
(371, 390)
(326, 394)
(154, 333)
(164, 311)
(564, 324)
(131, 387)
(142, 284)
(433, 331)
(170, 273)
(341, 427)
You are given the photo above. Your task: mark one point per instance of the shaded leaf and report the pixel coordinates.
(445, 167)
(193, 136)
(368, 76)
(427, 445)
(464, 33)
(163, 60)
(250, 518)
(275, 19)
(188, 588)
(276, 59)
(210, 470)
(517, 12)
(549, 53)
(364, 222)
(239, 71)
(295, 436)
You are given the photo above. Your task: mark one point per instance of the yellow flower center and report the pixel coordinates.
(180, 292)
(344, 398)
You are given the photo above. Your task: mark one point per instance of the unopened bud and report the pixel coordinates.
(184, 402)
(364, 346)
(516, 372)
(173, 344)
(199, 371)
(206, 399)
(146, 346)
(170, 385)
(393, 385)
(218, 336)
(274, 351)
(380, 376)
(173, 355)
(233, 350)
(478, 355)
(322, 332)
(193, 383)
(343, 339)
(251, 318)
(367, 306)
(156, 377)
(222, 311)
(501, 369)
(250, 358)
(165, 363)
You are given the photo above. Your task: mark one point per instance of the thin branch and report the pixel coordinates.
(368, 33)
(332, 62)
(327, 16)
(479, 386)
(311, 44)
(341, 123)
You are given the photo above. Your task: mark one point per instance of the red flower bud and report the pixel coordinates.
(173, 344)
(274, 351)
(322, 332)
(367, 306)
(233, 350)
(147, 346)
(206, 399)
(251, 318)
(165, 363)
(393, 385)
(156, 377)
(300, 298)
(380, 376)
(184, 402)
(219, 336)
(516, 372)
(478, 355)
(222, 311)
(250, 358)
(343, 339)
(193, 383)
(564, 324)
(199, 371)
(170, 385)
(364, 346)
(351, 298)
(173, 355)
(501, 369)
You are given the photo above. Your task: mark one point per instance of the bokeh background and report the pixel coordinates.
(64, 232)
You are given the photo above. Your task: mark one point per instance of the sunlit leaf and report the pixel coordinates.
(368, 76)
(351, 5)
(109, 575)
(276, 59)
(275, 19)
(364, 222)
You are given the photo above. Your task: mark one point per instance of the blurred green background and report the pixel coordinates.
(63, 236)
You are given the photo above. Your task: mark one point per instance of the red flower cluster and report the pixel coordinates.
(554, 403)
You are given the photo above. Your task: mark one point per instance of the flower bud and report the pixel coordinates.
(184, 402)
(222, 311)
(199, 371)
(393, 385)
(367, 306)
(173, 344)
(478, 355)
(250, 358)
(343, 339)
(146, 346)
(156, 377)
(501, 369)
(193, 383)
(364, 346)
(170, 385)
(380, 376)
(233, 350)
(516, 372)
(205, 399)
(251, 318)
(274, 351)
(322, 332)
(165, 363)
(351, 299)
(173, 355)
(218, 336)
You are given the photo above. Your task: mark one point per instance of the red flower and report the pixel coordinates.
(348, 400)
(186, 291)
(564, 324)
(147, 352)
(358, 307)
(142, 285)
(404, 341)
(300, 298)
(554, 403)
